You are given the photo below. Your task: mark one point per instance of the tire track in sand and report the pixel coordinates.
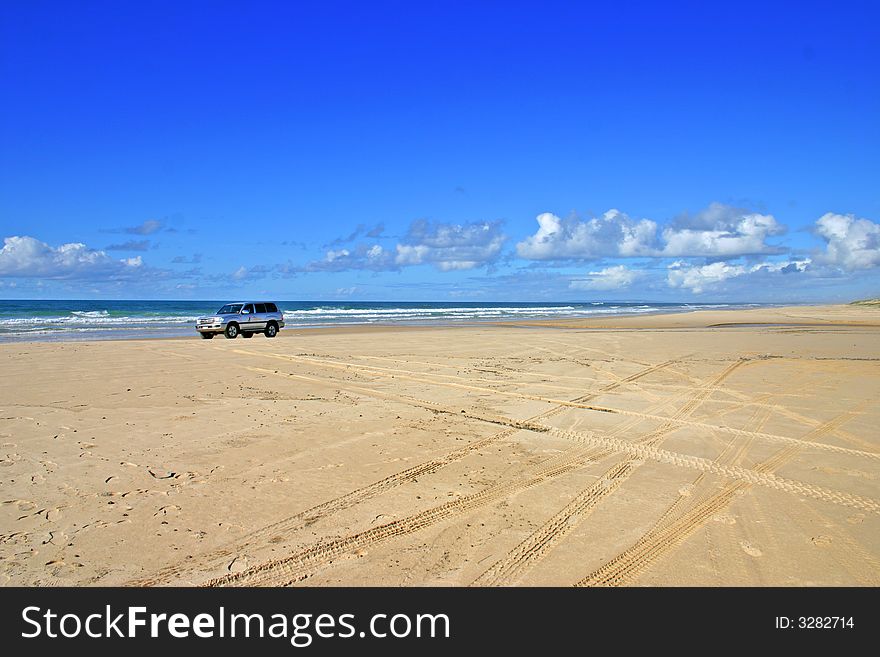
(626, 447)
(403, 374)
(672, 529)
(219, 557)
(524, 556)
(653, 545)
(303, 564)
(757, 477)
(299, 566)
(300, 563)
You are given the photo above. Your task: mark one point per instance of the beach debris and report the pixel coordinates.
(165, 510)
(237, 565)
(166, 475)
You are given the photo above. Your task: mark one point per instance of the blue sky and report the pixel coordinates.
(432, 151)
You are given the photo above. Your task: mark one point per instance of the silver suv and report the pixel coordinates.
(245, 318)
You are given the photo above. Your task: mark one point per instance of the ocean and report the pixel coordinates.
(98, 320)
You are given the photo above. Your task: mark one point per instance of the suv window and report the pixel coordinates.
(271, 308)
(261, 308)
(249, 307)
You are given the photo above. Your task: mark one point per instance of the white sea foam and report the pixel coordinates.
(102, 319)
(326, 315)
(394, 312)
(93, 318)
(90, 313)
(151, 321)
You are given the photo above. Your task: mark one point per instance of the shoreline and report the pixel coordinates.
(828, 315)
(769, 315)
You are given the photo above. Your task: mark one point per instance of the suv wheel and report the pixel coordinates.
(231, 331)
(247, 334)
(271, 330)
(206, 336)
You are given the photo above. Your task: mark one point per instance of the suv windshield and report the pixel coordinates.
(230, 309)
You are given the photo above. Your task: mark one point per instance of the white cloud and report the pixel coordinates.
(332, 256)
(450, 246)
(612, 234)
(851, 244)
(28, 257)
(786, 267)
(149, 227)
(131, 245)
(696, 278)
(373, 258)
(717, 231)
(240, 274)
(610, 278)
(731, 236)
(411, 254)
(446, 246)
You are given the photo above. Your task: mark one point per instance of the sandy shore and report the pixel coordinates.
(708, 448)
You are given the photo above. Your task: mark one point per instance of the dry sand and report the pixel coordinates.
(662, 450)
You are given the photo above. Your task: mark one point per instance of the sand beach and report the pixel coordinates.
(736, 447)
